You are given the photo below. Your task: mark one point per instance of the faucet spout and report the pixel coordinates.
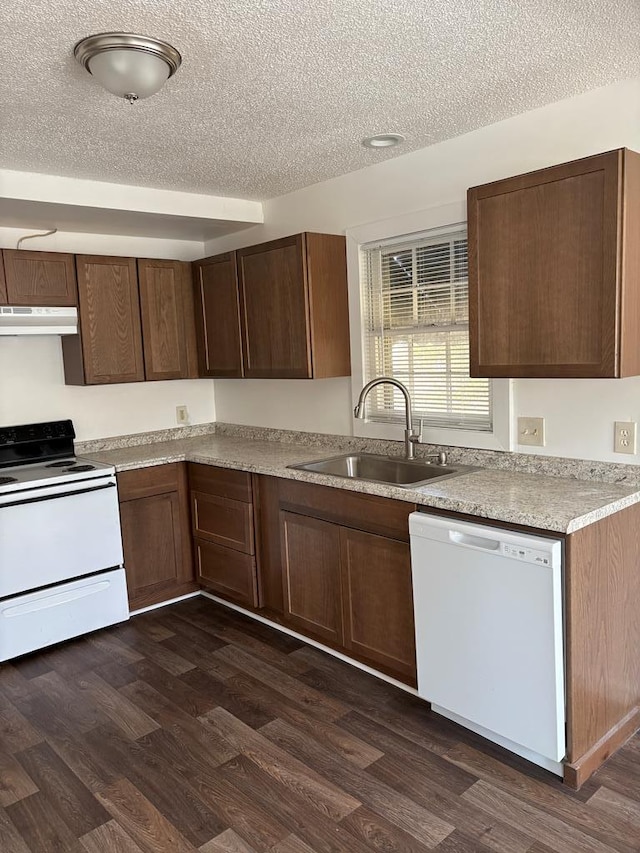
(410, 438)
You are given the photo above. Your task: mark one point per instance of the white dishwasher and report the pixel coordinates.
(489, 632)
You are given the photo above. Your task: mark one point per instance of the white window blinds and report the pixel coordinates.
(416, 329)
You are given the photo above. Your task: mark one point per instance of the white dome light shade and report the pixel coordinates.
(126, 72)
(129, 66)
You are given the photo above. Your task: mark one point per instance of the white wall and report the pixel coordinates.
(31, 376)
(579, 413)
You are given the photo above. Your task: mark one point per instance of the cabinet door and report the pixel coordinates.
(217, 310)
(156, 539)
(275, 309)
(543, 272)
(378, 602)
(3, 283)
(168, 333)
(311, 576)
(40, 278)
(109, 320)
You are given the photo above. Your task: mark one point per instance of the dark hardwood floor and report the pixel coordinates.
(194, 728)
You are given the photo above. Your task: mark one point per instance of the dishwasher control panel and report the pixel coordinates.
(527, 555)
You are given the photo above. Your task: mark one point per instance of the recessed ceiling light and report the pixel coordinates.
(383, 140)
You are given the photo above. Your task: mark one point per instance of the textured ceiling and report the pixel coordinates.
(276, 94)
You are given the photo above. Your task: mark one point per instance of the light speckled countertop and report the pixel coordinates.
(533, 500)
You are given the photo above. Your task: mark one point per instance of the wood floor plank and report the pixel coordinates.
(130, 719)
(10, 839)
(549, 795)
(68, 702)
(168, 660)
(486, 830)
(150, 829)
(109, 838)
(292, 844)
(283, 767)
(190, 699)
(379, 834)
(395, 807)
(16, 732)
(223, 693)
(623, 810)
(41, 827)
(325, 706)
(72, 800)
(228, 842)
(350, 747)
(290, 810)
(420, 760)
(199, 743)
(550, 830)
(167, 790)
(15, 782)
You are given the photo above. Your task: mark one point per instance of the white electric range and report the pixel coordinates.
(61, 572)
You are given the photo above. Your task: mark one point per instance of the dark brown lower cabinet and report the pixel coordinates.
(335, 566)
(154, 515)
(311, 576)
(377, 601)
(223, 533)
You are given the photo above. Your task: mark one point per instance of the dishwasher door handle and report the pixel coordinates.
(474, 541)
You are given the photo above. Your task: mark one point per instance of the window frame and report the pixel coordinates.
(402, 227)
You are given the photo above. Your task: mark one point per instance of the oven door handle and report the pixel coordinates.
(58, 495)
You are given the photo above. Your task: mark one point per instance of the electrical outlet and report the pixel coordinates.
(531, 431)
(624, 437)
(182, 415)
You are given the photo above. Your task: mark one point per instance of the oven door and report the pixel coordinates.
(57, 533)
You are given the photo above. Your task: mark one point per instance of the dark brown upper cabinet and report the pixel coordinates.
(108, 346)
(217, 312)
(277, 310)
(135, 322)
(38, 278)
(295, 312)
(168, 330)
(554, 271)
(3, 283)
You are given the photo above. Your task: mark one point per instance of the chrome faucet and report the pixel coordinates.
(410, 437)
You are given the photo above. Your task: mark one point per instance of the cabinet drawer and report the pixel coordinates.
(225, 482)
(227, 572)
(143, 482)
(222, 520)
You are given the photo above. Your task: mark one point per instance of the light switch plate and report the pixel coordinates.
(624, 437)
(182, 415)
(531, 431)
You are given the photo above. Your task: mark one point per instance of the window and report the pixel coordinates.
(415, 326)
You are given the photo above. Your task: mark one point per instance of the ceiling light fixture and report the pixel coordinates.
(383, 140)
(130, 66)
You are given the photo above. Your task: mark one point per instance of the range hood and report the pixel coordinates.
(21, 320)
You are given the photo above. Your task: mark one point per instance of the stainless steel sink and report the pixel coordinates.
(390, 470)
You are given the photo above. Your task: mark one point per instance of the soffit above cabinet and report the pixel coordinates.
(42, 202)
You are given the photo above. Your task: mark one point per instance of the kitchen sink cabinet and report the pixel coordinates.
(135, 322)
(223, 532)
(335, 566)
(154, 517)
(554, 271)
(378, 602)
(278, 310)
(41, 279)
(311, 577)
(217, 313)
